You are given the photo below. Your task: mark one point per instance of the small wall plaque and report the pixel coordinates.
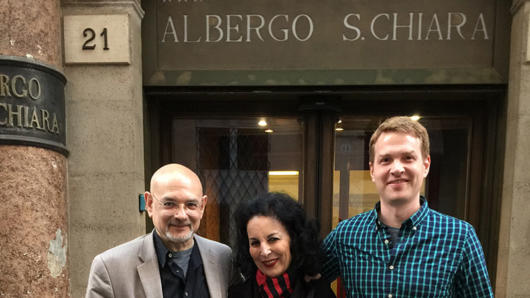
(96, 39)
(141, 201)
(32, 110)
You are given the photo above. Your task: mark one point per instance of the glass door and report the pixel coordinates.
(236, 158)
(316, 150)
(446, 187)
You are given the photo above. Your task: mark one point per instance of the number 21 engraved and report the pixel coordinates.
(90, 35)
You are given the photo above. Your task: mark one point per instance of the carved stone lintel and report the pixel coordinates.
(102, 3)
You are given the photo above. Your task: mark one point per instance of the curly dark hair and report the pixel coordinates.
(305, 238)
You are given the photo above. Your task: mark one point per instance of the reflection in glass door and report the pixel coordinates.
(446, 186)
(237, 158)
(218, 135)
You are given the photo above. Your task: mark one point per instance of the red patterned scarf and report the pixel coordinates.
(274, 287)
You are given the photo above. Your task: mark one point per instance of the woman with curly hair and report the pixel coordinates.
(277, 247)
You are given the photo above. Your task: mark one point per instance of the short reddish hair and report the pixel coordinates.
(402, 124)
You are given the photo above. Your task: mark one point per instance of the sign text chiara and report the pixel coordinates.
(384, 26)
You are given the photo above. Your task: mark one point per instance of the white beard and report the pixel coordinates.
(179, 240)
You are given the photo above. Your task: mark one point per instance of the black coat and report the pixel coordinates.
(314, 289)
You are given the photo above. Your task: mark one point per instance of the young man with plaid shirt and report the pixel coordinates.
(402, 248)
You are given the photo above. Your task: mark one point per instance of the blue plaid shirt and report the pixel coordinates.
(436, 256)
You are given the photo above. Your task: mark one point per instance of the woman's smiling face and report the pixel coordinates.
(269, 245)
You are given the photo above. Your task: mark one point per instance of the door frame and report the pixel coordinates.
(319, 107)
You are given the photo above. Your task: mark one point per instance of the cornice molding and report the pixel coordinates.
(123, 3)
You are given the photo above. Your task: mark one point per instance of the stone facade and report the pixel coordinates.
(104, 107)
(62, 211)
(514, 251)
(33, 223)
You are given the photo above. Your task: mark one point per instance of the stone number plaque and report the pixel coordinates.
(97, 39)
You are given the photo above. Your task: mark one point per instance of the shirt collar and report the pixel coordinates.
(162, 253)
(161, 249)
(416, 218)
(195, 258)
(413, 221)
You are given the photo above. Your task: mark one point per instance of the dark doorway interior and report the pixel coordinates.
(314, 147)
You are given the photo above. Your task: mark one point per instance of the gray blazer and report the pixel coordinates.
(131, 269)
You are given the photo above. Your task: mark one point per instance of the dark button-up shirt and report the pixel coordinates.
(436, 256)
(174, 284)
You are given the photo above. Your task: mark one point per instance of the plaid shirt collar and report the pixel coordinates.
(413, 222)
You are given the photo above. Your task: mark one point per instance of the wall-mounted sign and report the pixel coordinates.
(31, 104)
(184, 38)
(96, 39)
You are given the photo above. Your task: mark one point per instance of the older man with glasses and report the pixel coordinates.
(171, 261)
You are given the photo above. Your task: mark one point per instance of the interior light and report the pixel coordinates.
(268, 130)
(415, 117)
(283, 173)
(262, 123)
(340, 121)
(339, 128)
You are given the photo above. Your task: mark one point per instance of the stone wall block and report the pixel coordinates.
(32, 29)
(33, 223)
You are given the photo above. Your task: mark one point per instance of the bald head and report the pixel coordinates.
(176, 204)
(175, 174)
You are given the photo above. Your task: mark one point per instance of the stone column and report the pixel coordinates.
(33, 219)
(106, 144)
(514, 237)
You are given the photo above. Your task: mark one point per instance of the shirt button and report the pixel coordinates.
(389, 295)
(386, 241)
(391, 267)
(414, 228)
(170, 255)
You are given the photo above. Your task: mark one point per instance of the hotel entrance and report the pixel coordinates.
(315, 148)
